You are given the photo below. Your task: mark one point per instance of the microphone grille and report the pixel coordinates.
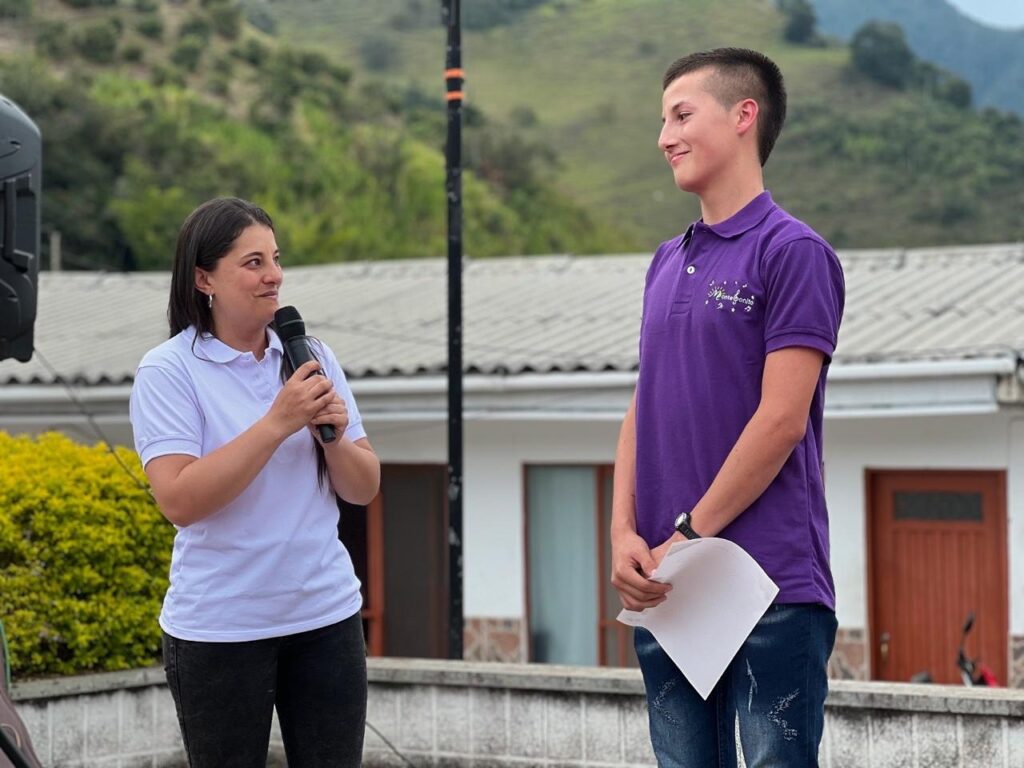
(289, 323)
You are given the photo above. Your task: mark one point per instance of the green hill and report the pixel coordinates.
(867, 165)
(330, 113)
(147, 108)
(991, 60)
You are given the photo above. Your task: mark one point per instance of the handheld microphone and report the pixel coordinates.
(292, 331)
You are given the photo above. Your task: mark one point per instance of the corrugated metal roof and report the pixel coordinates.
(534, 314)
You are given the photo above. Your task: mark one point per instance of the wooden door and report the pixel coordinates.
(361, 530)
(415, 568)
(937, 551)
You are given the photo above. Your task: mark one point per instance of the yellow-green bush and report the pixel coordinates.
(84, 555)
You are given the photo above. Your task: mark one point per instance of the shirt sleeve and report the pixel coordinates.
(332, 368)
(164, 413)
(805, 293)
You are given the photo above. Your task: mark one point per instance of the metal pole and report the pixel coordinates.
(453, 186)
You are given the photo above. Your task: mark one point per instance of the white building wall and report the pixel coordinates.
(494, 506)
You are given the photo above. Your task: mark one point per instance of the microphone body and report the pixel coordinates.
(292, 331)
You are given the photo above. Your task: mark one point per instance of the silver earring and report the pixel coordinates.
(210, 302)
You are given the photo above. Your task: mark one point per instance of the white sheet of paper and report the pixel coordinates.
(718, 595)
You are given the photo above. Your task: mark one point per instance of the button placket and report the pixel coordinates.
(685, 281)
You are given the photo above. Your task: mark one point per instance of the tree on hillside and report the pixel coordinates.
(880, 51)
(801, 21)
(15, 9)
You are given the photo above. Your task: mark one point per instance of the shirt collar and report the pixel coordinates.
(745, 219)
(217, 351)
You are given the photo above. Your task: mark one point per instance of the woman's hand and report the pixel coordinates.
(303, 397)
(335, 413)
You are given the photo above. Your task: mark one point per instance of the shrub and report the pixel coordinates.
(146, 6)
(252, 51)
(219, 84)
(90, 3)
(942, 84)
(222, 65)
(313, 63)
(195, 26)
(53, 39)
(133, 53)
(227, 20)
(15, 9)
(167, 75)
(188, 52)
(97, 42)
(84, 555)
(151, 27)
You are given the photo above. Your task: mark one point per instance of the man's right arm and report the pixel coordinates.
(631, 558)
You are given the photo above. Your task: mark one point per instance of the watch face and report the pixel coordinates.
(683, 519)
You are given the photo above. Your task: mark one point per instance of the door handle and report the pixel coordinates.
(883, 647)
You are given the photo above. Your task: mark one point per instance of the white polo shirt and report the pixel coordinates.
(269, 563)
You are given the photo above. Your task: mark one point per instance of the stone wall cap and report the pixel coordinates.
(843, 694)
(481, 674)
(910, 697)
(96, 682)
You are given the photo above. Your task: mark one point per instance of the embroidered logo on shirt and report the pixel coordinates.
(730, 296)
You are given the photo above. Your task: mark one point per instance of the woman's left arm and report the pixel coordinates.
(353, 469)
(352, 465)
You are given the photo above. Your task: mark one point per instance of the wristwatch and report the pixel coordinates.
(682, 525)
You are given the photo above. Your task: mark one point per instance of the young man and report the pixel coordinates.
(724, 434)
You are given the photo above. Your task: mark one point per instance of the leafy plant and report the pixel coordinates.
(880, 51)
(84, 554)
(15, 9)
(97, 42)
(151, 27)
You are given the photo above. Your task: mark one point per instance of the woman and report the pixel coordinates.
(263, 604)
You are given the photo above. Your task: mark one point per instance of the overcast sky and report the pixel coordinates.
(997, 13)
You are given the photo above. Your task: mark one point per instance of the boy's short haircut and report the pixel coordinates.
(739, 73)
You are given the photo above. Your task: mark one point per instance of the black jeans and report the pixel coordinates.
(225, 694)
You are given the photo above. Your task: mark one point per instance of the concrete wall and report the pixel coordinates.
(438, 713)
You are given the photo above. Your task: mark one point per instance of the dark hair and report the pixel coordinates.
(740, 73)
(206, 236)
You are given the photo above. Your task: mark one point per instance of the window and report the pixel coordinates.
(572, 605)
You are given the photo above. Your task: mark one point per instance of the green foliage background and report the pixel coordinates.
(178, 102)
(84, 554)
(328, 112)
(589, 72)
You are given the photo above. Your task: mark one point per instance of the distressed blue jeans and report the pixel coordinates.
(775, 686)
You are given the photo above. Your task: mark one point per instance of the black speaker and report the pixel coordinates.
(21, 169)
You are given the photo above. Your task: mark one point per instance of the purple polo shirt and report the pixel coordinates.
(717, 300)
